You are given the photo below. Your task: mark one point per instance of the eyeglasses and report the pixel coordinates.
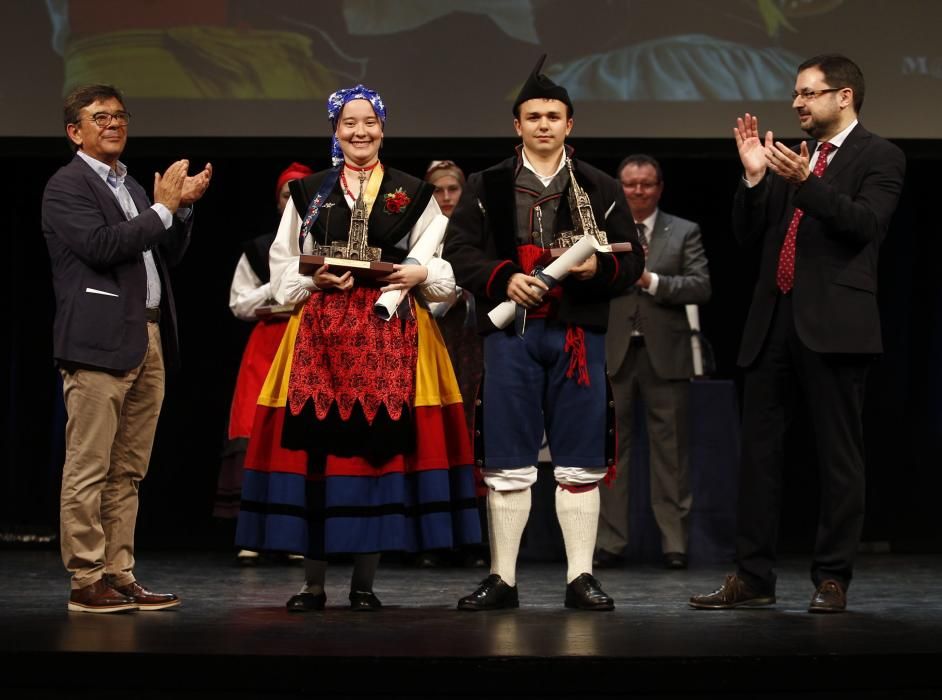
(809, 95)
(103, 119)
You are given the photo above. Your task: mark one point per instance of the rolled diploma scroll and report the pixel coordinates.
(693, 318)
(502, 314)
(421, 253)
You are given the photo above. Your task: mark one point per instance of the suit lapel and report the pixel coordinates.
(856, 140)
(138, 196)
(658, 240)
(104, 191)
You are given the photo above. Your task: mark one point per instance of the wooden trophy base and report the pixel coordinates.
(365, 271)
(550, 254)
(274, 311)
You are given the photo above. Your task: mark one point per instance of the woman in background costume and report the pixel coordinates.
(359, 444)
(250, 290)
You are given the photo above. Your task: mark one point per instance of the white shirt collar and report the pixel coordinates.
(840, 137)
(545, 179)
(113, 176)
(649, 222)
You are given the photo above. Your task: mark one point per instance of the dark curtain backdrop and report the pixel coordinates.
(903, 414)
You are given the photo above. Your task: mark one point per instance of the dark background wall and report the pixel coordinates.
(903, 414)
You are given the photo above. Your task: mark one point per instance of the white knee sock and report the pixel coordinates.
(315, 573)
(578, 515)
(364, 571)
(507, 514)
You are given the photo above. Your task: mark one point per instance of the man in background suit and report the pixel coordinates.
(115, 327)
(819, 214)
(648, 354)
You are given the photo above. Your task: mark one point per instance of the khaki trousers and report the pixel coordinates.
(108, 441)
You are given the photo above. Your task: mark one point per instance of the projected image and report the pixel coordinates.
(454, 66)
(233, 49)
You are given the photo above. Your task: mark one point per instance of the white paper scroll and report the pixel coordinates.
(423, 251)
(693, 318)
(502, 314)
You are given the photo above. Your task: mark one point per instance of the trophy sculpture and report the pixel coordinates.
(354, 255)
(584, 223)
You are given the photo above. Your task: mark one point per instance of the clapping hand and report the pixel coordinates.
(752, 150)
(195, 187)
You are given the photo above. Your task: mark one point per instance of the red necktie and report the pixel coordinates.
(785, 275)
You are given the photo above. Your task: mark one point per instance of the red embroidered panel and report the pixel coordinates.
(345, 353)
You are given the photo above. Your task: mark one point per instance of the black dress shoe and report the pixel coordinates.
(829, 597)
(492, 594)
(607, 560)
(585, 593)
(305, 602)
(734, 593)
(364, 601)
(675, 560)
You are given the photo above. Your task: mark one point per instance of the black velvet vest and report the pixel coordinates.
(387, 231)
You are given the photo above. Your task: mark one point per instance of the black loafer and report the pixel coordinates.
(607, 560)
(364, 601)
(675, 560)
(306, 602)
(585, 593)
(492, 594)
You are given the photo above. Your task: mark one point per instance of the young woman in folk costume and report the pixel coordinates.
(359, 444)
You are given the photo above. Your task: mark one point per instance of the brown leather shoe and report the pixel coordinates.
(148, 600)
(99, 597)
(830, 597)
(734, 593)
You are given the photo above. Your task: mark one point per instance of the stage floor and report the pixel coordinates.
(233, 638)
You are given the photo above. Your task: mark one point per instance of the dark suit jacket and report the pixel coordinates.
(676, 254)
(98, 270)
(847, 214)
(481, 243)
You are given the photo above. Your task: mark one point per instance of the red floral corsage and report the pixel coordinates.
(396, 202)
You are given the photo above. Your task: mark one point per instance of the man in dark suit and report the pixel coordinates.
(819, 213)
(115, 328)
(648, 352)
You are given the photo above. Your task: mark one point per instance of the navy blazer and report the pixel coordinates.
(98, 270)
(847, 214)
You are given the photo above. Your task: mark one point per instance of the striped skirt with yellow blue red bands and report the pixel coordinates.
(411, 502)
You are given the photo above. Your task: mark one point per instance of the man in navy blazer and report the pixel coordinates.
(819, 214)
(114, 331)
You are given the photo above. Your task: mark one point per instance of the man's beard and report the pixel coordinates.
(815, 129)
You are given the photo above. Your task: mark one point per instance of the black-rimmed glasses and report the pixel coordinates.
(104, 119)
(809, 95)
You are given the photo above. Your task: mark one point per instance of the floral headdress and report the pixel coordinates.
(335, 105)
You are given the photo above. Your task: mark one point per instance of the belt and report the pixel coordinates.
(152, 314)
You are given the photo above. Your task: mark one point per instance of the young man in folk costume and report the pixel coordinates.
(359, 444)
(551, 376)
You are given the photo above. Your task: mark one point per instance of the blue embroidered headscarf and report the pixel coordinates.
(335, 104)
